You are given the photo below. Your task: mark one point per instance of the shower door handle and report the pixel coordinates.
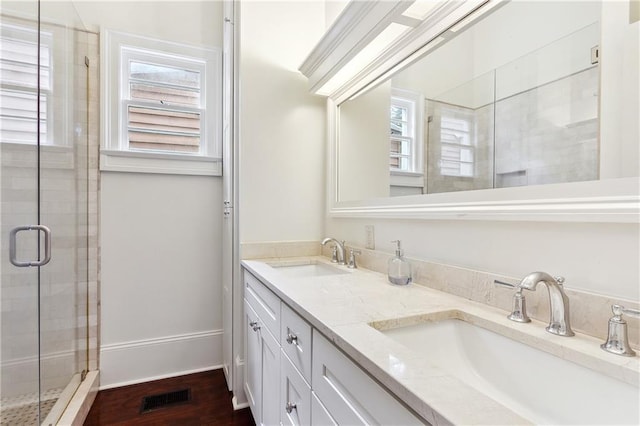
(47, 245)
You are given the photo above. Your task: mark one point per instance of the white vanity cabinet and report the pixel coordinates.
(262, 357)
(295, 376)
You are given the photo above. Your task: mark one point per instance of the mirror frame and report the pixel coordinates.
(614, 200)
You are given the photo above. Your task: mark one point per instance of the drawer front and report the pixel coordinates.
(319, 415)
(295, 339)
(295, 398)
(349, 394)
(264, 302)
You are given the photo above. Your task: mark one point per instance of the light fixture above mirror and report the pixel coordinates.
(372, 39)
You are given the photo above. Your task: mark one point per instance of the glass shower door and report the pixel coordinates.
(44, 194)
(19, 325)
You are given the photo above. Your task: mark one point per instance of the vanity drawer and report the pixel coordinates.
(295, 339)
(319, 415)
(295, 397)
(264, 302)
(349, 394)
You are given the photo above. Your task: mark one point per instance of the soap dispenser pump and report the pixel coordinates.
(399, 268)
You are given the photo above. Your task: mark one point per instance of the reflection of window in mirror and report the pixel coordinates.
(406, 127)
(457, 144)
(403, 138)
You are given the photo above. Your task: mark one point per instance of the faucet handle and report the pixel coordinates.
(519, 311)
(617, 339)
(560, 280)
(352, 258)
(618, 310)
(504, 284)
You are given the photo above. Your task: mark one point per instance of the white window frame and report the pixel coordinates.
(119, 49)
(414, 102)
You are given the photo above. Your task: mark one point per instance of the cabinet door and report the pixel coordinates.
(295, 396)
(270, 359)
(253, 362)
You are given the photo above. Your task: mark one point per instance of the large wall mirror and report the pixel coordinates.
(514, 100)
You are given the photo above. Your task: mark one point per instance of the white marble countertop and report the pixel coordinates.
(342, 306)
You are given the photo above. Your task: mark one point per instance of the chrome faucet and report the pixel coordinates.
(338, 250)
(558, 301)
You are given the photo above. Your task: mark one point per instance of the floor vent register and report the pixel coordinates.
(169, 399)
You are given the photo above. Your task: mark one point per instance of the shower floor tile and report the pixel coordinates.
(22, 410)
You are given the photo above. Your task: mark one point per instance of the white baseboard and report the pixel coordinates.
(239, 397)
(123, 364)
(239, 406)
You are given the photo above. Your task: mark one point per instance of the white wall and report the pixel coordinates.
(363, 170)
(159, 234)
(333, 9)
(186, 21)
(161, 276)
(620, 86)
(282, 126)
(599, 258)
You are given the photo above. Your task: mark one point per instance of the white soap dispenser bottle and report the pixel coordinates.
(399, 268)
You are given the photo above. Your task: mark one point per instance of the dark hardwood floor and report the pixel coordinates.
(210, 404)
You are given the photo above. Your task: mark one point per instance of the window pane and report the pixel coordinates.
(164, 130)
(399, 128)
(396, 146)
(466, 169)
(401, 146)
(456, 161)
(455, 124)
(399, 163)
(18, 117)
(164, 95)
(18, 63)
(466, 155)
(398, 113)
(165, 75)
(450, 153)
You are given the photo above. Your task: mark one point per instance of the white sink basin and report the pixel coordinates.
(308, 270)
(535, 384)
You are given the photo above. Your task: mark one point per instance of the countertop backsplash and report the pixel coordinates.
(589, 312)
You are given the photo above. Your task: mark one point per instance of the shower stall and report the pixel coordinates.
(48, 210)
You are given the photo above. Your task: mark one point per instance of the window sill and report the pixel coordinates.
(146, 162)
(403, 173)
(408, 179)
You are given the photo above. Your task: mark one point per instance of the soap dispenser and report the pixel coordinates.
(399, 268)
